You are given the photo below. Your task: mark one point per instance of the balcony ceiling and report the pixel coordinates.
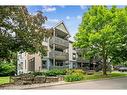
(60, 33)
(61, 26)
(60, 58)
(61, 47)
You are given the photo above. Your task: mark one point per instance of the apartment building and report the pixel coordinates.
(60, 53)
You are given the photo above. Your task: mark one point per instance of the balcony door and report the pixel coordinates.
(59, 63)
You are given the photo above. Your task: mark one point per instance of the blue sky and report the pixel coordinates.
(71, 15)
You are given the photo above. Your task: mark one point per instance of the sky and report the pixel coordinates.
(71, 15)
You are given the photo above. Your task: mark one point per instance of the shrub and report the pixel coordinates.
(7, 68)
(55, 72)
(74, 77)
(79, 71)
(71, 71)
(38, 73)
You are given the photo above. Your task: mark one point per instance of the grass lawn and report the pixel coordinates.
(99, 75)
(4, 80)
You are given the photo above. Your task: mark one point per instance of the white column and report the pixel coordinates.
(53, 48)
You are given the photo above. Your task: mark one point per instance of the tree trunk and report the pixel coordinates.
(104, 55)
(104, 66)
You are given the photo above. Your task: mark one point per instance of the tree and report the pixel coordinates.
(119, 54)
(102, 32)
(20, 31)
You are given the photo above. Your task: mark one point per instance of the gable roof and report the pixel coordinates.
(61, 26)
(58, 25)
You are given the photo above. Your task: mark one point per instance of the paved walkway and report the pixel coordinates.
(118, 83)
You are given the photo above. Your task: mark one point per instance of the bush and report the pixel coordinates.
(7, 68)
(38, 73)
(55, 72)
(80, 71)
(74, 77)
(71, 71)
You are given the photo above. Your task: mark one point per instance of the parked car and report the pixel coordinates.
(122, 69)
(117, 67)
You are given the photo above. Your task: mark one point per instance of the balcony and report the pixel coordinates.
(59, 67)
(59, 41)
(59, 55)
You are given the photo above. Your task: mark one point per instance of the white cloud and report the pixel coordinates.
(62, 6)
(78, 17)
(48, 8)
(83, 7)
(67, 17)
(53, 20)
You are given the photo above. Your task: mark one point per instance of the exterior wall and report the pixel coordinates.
(38, 61)
(22, 65)
(72, 62)
(23, 62)
(23, 59)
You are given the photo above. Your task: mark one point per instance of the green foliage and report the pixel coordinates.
(55, 72)
(95, 76)
(38, 73)
(7, 69)
(102, 33)
(20, 31)
(4, 80)
(74, 77)
(71, 71)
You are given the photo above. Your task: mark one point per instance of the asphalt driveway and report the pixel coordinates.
(117, 83)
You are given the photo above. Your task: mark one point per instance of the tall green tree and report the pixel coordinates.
(102, 32)
(119, 53)
(20, 31)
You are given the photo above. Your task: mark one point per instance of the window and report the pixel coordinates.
(74, 48)
(59, 63)
(79, 55)
(20, 56)
(44, 64)
(20, 66)
(31, 64)
(21, 62)
(74, 56)
(25, 64)
(45, 39)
